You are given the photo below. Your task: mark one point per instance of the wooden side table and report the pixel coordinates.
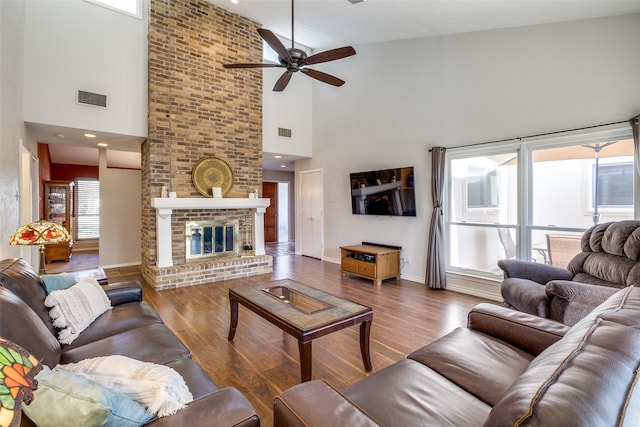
(371, 262)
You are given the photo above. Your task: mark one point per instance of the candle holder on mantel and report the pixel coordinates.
(247, 246)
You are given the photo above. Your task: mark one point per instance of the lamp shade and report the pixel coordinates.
(39, 233)
(17, 371)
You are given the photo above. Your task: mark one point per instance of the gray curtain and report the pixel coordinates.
(436, 275)
(635, 127)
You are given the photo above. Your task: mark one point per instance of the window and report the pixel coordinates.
(130, 7)
(521, 193)
(482, 188)
(615, 185)
(87, 209)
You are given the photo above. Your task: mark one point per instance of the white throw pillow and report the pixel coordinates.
(75, 308)
(160, 389)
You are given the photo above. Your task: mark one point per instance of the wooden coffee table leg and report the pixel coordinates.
(365, 332)
(233, 324)
(305, 360)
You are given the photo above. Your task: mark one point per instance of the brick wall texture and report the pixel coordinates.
(197, 109)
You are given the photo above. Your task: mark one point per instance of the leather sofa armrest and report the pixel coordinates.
(223, 408)
(571, 301)
(534, 271)
(123, 292)
(531, 333)
(316, 403)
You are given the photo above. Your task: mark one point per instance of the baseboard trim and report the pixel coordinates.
(129, 264)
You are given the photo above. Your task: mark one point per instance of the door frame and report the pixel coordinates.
(299, 220)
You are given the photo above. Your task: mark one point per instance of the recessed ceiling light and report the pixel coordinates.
(234, 1)
(102, 144)
(283, 166)
(59, 135)
(89, 135)
(277, 156)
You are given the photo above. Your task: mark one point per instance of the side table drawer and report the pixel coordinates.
(367, 268)
(349, 264)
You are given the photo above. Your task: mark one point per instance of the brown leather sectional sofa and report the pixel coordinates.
(506, 368)
(132, 328)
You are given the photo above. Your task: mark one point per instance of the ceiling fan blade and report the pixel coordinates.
(251, 65)
(330, 55)
(323, 77)
(275, 44)
(283, 81)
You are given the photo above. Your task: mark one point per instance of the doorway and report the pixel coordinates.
(311, 213)
(276, 217)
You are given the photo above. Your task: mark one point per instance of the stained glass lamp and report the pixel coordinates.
(40, 233)
(17, 371)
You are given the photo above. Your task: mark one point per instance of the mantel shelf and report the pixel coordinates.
(208, 203)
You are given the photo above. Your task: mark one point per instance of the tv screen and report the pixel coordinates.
(383, 192)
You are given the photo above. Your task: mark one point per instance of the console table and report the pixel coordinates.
(371, 262)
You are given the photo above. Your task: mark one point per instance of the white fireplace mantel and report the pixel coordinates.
(166, 205)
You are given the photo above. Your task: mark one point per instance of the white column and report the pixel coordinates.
(258, 231)
(163, 238)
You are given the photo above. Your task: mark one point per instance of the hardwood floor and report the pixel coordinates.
(262, 361)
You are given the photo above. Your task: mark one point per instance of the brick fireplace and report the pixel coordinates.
(196, 110)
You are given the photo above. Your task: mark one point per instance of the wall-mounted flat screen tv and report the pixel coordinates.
(383, 192)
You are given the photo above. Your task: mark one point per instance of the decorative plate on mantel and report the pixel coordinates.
(212, 172)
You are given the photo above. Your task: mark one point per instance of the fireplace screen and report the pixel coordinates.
(205, 239)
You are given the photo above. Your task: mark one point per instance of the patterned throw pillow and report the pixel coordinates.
(75, 308)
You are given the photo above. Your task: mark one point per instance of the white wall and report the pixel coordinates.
(120, 215)
(75, 44)
(290, 109)
(12, 129)
(403, 97)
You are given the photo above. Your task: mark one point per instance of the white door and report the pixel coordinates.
(28, 200)
(311, 191)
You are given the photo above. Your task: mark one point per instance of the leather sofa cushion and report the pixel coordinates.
(17, 276)
(409, 393)
(21, 325)
(196, 378)
(119, 319)
(597, 354)
(482, 365)
(151, 343)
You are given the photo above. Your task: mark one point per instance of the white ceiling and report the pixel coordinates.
(326, 24)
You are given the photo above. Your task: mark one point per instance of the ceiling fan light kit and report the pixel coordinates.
(295, 60)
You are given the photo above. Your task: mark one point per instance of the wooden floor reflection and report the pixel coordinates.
(262, 361)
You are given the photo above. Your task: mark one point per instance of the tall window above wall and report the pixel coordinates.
(128, 7)
(87, 209)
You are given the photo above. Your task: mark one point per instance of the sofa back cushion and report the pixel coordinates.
(17, 276)
(610, 255)
(20, 324)
(587, 378)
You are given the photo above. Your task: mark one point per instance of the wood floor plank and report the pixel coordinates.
(262, 361)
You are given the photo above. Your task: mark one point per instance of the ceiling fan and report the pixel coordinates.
(297, 60)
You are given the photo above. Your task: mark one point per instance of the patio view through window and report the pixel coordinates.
(496, 211)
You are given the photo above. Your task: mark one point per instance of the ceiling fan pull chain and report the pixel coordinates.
(293, 45)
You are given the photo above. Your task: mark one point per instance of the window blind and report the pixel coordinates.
(88, 209)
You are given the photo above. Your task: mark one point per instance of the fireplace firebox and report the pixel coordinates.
(208, 239)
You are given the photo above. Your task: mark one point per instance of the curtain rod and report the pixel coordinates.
(520, 138)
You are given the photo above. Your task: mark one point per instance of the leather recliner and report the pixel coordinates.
(610, 260)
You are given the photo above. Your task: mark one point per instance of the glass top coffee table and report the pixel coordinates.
(303, 312)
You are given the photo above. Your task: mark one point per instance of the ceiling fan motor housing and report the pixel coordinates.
(297, 56)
